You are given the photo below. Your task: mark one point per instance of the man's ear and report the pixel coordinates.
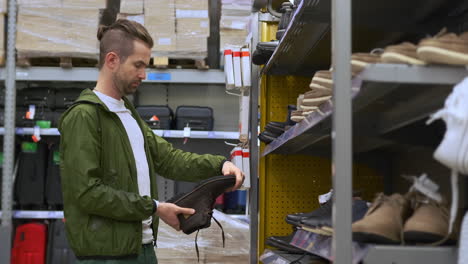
(112, 60)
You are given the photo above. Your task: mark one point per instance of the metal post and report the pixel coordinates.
(9, 138)
(254, 151)
(342, 131)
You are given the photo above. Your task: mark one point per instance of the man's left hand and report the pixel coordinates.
(230, 169)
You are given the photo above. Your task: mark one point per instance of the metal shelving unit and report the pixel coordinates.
(23, 214)
(376, 84)
(410, 255)
(77, 74)
(16, 77)
(161, 133)
(366, 114)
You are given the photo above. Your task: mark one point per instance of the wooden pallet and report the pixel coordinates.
(178, 63)
(59, 61)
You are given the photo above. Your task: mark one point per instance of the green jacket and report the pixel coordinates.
(102, 206)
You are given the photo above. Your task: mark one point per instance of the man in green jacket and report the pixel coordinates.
(110, 159)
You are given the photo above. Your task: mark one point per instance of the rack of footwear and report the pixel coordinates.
(402, 68)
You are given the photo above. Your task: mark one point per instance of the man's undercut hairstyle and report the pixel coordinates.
(119, 38)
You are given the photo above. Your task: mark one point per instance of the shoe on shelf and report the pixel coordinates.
(283, 243)
(359, 61)
(296, 116)
(402, 53)
(272, 128)
(322, 82)
(453, 149)
(384, 220)
(429, 222)
(324, 225)
(267, 137)
(263, 52)
(316, 216)
(311, 100)
(287, 9)
(445, 48)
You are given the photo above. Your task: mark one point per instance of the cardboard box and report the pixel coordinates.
(191, 46)
(140, 18)
(161, 24)
(232, 37)
(91, 4)
(192, 4)
(57, 32)
(197, 27)
(131, 6)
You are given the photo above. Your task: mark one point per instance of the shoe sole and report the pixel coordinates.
(317, 230)
(297, 119)
(320, 88)
(359, 65)
(327, 83)
(363, 237)
(315, 101)
(418, 237)
(442, 56)
(309, 108)
(393, 57)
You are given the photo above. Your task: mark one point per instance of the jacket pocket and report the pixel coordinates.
(100, 233)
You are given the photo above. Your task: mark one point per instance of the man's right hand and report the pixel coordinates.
(168, 213)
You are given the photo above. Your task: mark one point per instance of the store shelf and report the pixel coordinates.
(77, 74)
(23, 214)
(410, 255)
(282, 257)
(305, 46)
(386, 97)
(161, 133)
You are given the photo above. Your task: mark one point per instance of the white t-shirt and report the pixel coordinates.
(137, 142)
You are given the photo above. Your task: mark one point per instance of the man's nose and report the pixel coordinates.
(142, 75)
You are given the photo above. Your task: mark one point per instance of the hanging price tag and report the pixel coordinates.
(31, 112)
(36, 137)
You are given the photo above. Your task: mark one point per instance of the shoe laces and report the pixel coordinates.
(196, 238)
(455, 105)
(382, 199)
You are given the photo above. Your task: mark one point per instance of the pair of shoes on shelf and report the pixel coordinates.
(263, 52)
(443, 48)
(418, 217)
(275, 129)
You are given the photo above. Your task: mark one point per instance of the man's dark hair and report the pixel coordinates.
(119, 38)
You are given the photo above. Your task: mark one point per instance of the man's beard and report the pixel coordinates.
(124, 86)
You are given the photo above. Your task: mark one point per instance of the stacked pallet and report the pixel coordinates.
(235, 22)
(57, 29)
(179, 28)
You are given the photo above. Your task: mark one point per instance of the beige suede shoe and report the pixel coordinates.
(429, 222)
(384, 220)
(445, 48)
(402, 53)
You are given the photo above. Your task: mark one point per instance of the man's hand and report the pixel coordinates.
(168, 213)
(230, 169)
